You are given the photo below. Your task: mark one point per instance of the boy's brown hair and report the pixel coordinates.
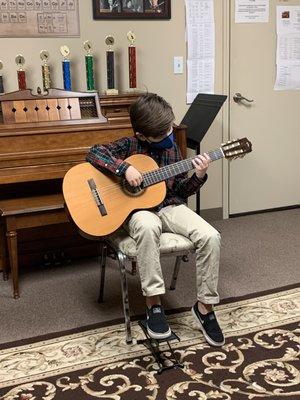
(151, 115)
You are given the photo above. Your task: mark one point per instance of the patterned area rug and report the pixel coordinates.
(260, 359)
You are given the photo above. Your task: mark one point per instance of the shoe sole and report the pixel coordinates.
(155, 335)
(208, 339)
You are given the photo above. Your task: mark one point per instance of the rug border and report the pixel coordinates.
(53, 335)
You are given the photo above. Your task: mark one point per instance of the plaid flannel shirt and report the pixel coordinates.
(110, 157)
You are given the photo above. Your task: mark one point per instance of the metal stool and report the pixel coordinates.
(124, 250)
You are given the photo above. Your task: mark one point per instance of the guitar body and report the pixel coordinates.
(117, 202)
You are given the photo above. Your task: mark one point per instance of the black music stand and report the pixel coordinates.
(198, 119)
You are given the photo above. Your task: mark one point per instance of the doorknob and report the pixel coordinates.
(238, 98)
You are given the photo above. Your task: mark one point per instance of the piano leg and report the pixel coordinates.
(3, 253)
(13, 259)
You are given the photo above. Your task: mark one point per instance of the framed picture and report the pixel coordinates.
(132, 9)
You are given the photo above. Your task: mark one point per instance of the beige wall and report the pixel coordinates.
(157, 43)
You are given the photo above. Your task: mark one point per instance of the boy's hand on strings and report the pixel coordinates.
(201, 163)
(133, 176)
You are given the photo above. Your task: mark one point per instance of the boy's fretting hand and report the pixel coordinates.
(201, 164)
(133, 176)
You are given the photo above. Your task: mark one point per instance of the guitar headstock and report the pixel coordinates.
(236, 148)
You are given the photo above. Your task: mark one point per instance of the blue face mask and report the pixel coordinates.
(165, 143)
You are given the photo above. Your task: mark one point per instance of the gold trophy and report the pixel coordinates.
(110, 66)
(44, 56)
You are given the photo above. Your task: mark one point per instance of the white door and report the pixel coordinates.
(269, 176)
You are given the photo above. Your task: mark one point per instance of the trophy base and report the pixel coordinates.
(112, 92)
(135, 91)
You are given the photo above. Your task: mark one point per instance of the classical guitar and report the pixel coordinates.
(99, 203)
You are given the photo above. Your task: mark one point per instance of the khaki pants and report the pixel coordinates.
(145, 227)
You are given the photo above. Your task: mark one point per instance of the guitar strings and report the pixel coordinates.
(147, 180)
(157, 174)
(125, 182)
(214, 155)
(114, 188)
(160, 171)
(83, 205)
(119, 185)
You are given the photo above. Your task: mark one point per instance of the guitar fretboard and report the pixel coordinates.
(168, 171)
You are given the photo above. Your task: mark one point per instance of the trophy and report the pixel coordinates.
(44, 55)
(132, 60)
(66, 67)
(89, 64)
(110, 65)
(1, 79)
(20, 61)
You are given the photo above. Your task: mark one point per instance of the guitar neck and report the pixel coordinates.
(168, 171)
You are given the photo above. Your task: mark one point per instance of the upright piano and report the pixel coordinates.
(42, 135)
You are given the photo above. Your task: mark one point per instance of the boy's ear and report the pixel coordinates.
(140, 136)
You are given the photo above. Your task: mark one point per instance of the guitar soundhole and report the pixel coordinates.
(131, 190)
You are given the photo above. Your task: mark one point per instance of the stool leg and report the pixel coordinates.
(3, 247)
(102, 260)
(122, 259)
(175, 273)
(13, 259)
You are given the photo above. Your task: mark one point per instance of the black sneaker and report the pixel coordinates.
(209, 326)
(157, 325)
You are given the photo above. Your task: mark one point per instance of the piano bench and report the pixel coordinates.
(20, 213)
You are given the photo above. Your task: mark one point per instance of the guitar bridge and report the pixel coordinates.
(97, 197)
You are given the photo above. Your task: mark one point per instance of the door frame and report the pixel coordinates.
(226, 29)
